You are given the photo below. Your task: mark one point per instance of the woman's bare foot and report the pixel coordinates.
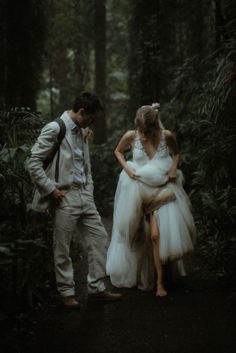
(161, 292)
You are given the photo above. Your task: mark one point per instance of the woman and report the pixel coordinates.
(152, 221)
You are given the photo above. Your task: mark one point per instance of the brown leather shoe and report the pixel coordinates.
(70, 303)
(106, 296)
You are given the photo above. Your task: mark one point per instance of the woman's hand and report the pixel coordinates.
(155, 237)
(171, 143)
(132, 173)
(172, 174)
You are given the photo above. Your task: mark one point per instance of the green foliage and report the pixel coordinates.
(105, 170)
(23, 242)
(206, 129)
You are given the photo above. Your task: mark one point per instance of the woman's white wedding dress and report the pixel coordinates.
(130, 257)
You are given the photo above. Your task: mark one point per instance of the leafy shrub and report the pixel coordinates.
(24, 245)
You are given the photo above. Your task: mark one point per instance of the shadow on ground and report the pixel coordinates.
(196, 317)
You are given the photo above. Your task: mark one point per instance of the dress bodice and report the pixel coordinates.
(139, 154)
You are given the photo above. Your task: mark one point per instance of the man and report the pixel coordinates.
(66, 186)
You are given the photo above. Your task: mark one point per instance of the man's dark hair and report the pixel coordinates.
(89, 101)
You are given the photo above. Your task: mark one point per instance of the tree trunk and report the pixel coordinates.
(25, 27)
(3, 52)
(144, 53)
(219, 24)
(82, 44)
(100, 66)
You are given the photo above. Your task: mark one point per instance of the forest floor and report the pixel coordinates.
(197, 316)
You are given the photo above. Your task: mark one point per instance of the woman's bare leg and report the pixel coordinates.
(163, 197)
(155, 236)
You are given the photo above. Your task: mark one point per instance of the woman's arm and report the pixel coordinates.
(127, 140)
(172, 144)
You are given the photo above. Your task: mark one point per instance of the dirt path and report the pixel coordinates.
(196, 317)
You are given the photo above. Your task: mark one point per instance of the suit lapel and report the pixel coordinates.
(68, 135)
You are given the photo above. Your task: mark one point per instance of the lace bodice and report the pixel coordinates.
(139, 154)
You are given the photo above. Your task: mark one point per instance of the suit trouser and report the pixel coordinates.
(78, 206)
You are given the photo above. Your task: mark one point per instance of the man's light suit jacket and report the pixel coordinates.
(44, 180)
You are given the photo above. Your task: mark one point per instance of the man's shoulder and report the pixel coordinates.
(55, 125)
(51, 127)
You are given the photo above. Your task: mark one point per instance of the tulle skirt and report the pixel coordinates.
(129, 259)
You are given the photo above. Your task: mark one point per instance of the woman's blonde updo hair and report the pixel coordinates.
(147, 119)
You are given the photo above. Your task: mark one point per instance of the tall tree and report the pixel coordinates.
(144, 52)
(219, 24)
(100, 65)
(67, 67)
(59, 54)
(117, 65)
(83, 44)
(25, 29)
(3, 50)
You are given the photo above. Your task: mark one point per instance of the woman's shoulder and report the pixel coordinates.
(167, 133)
(129, 135)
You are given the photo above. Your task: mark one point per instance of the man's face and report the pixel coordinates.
(85, 119)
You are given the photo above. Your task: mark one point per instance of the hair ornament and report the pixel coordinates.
(156, 106)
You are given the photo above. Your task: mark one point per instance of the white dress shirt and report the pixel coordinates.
(77, 138)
